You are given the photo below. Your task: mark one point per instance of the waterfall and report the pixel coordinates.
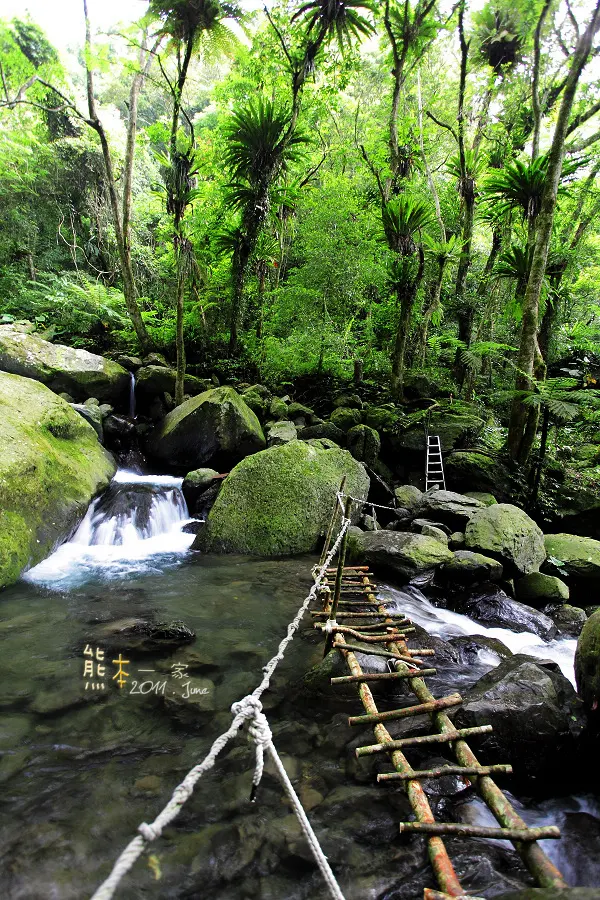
(132, 397)
(137, 518)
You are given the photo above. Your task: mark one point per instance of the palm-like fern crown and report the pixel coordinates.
(185, 19)
(336, 19)
(519, 185)
(402, 218)
(255, 149)
(514, 263)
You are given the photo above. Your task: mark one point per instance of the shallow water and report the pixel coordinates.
(81, 769)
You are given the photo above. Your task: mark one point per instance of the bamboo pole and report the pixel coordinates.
(421, 739)
(380, 676)
(392, 715)
(441, 771)
(459, 828)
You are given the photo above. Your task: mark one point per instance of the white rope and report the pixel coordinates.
(366, 502)
(247, 709)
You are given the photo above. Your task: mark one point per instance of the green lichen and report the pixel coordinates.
(51, 465)
(279, 501)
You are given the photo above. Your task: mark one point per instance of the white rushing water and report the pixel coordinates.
(446, 624)
(118, 541)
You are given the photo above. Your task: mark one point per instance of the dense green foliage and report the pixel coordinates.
(345, 181)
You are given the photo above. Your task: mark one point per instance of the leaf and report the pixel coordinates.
(154, 865)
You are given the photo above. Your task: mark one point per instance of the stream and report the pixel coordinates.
(82, 764)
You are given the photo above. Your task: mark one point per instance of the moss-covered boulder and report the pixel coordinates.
(216, 427)
(574, 556)
(364, 444)
(326, 431)
(483, 497)
(196, 483)
(409, 497)
(507, 533)
(450, 507)
(153, 380)
(407, 555)
(587, 662)
(378, 417)
(279, 502)
(278, 409)
(471, 471)
(51, 465)
(78, 372)
(537, 589)
(467, 568)
(281, 433)
(454, 429)
(345, 418)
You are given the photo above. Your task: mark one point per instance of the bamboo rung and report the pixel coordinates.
(444, 738)
(424, 651)
(373, 651)
(362, 615)
(462, 830)
(445, 770)
(381, 676)
(333, 571)
(391, 637)
(380, 625)
(419, 709)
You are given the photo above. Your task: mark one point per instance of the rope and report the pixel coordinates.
(367, 502)
(247, 709)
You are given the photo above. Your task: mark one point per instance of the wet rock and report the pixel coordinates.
(477, 648)
(345, 418)
(507, 533)
(406, 554)
(568, 619)
(118, 427)
(217, 426)
(495, 609)
(279, 502)
(587, 662)
(78, 372)
(467, 568)
(140, 637)
(327, 431)
(455, 509)
(573, 556)
(537, 589)
(195, 484)
(364, 444)
(281, 433)
(64, 698)
(535, 715)
(552, 894)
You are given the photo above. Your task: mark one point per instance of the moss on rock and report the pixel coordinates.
(51, 465)
(507, 533)
(80, 373)
(587, 661)
(279, 502)
(215, 427)
(579, 556)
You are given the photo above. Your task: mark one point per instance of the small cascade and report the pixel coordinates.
(137, 518)
(132, 397)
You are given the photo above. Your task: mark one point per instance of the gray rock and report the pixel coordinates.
(408, 496)
(456, 540)
(437, 533)
(326, 431)
(92, 415)
(364, 444)
(278, 409)
(455, 509)
(281, 433)
(467, 568)
(408, 555)
(495, 609)
(507, 533)
(568, 619)
(534, 712)
(579, 557)
(419, 524)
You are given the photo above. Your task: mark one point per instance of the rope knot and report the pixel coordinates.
(148, 832)
(330, 626)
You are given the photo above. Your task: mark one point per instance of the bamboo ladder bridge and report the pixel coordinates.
(354, 620)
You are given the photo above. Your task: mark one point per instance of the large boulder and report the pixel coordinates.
(470, 470)
(495, 609)
(468, 568)
(364, 444)
(216, 427)
(406, 554)
(453, 430)
(535, 715)
(574, 556)
(152, 380)
(279, 501)
(281, 432)
(587, 662)
(507, 533)
(51, 465)
(538, 590)
(62, 369)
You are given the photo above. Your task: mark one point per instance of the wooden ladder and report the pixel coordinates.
(434, 467)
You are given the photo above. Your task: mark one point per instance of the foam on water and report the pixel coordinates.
(106, 547)
(445, 624)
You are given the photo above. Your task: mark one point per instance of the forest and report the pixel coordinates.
(403, 195)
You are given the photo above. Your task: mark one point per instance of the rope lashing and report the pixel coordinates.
(330, 626)
(247, 709)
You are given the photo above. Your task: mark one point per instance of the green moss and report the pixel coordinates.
(279, 501)
(580, 556)
(345, 418)
(587, 661)
(51, 465)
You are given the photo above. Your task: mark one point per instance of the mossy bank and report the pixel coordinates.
(51, 465)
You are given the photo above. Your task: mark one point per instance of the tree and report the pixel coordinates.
(521, 435)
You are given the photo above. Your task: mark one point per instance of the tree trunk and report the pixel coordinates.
(129, 290)
(518, 447)
(426, 316)
(180, 345)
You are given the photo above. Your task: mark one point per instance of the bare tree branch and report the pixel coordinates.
(449, 128)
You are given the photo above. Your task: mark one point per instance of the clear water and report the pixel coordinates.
(80, 771)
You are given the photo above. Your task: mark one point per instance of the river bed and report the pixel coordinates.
(81, 768)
